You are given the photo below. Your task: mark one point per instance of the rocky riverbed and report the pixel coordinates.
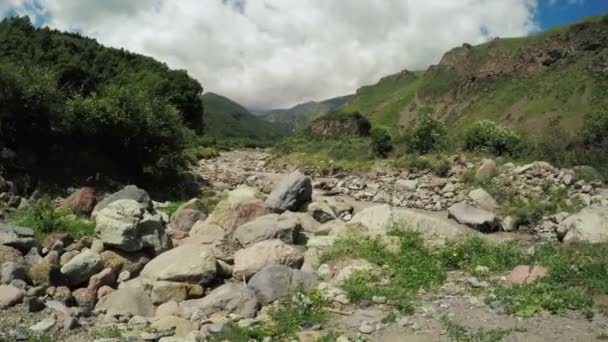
(147, 276)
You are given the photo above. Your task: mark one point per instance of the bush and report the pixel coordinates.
(381, 142)
(487, 136)
(428, 134)
(595, 128)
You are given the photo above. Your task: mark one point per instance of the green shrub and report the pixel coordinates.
(470, 253)
(428, 134)
(595, 128)
(381, 142)
(487, 136)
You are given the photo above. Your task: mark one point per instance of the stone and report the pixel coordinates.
(104, 291)
(70, 323)
(10, 254)
(205, 233)
(47, 272)
(345, 269)
(129, 192)
(321, 211)
(194, 264)
(97, 246)
(82, 267)
(107, 277)
(509, 224)
(406, 185)
(34, 304)
(588, 225)
(241, 206)
(181, 327)
(482, 199)
(124, 301)
(524, 274)
(85, 298)
(293, 191)
(10, 296)
(486, 170)
(230, 298)
(170, 308)
(43, 327)
(367, 328)
(20, 238)
(276, 281)
(128, 226)
(268, 227)
(476, 283)
(478, 219)
(81, 202)
(164, 291)
(250, 260)
(120, 261)
(188, 214)
(12, 271)
(380, 220)
(307, 223)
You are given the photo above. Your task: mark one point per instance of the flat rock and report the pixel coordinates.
(193, 264)
(588, 225)
(81, 267)
(268, 227)
(129, 192)
(124, 301)
(10, 296)
(483, 199)
(478, 219)
(249, 261)
(276, 281)
(231, 298)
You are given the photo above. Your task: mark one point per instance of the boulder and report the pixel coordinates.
(486, 170)
(307, 222)
(10, 296)
(82, 267)
(181, 327)
(268, 227)
(276, 281)
(107, 277)
(380, 220)
(206, 233)
(81, 202)
(128, 226)
(406, 185)
(482, 199)
(165, 291)
(20, 238)
(133, 301)
(588, 225)
(187, 215)
(10, 254)
(524, 274)
(321, 211)
(129, 192)
(120, 261)
(249, 261)
(241, 206)
(12, 271)
(194, 264)
(230, 298)
(478, 219)
(293, 191)
(47, 271)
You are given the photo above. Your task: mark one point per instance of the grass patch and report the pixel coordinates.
(456, 332)
(44, 218)
(403, 274)
(468, 254)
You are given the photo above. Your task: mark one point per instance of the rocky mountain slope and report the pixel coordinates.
(527, 82)
(300, 116)
(226, 119)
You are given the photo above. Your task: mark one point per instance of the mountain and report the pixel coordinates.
(526, 83)
(225, 118)
(298, 117)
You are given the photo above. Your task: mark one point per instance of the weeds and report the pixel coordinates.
(471, 253)
(458, 333)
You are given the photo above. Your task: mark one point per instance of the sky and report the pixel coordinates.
(277, 53)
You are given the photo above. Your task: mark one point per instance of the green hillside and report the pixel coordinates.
(525, 83)
(226, 119)
(300, 116)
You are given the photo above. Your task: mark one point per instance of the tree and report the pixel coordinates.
(381, 142)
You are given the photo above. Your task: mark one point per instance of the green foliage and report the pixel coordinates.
(487, 136)
(458, 333)
(428, 134)
(468, 254)
(406, 271)
(44, 218)
(296, 311)
(80, 98)
(381, 142)
(595, 129)
(194, 154)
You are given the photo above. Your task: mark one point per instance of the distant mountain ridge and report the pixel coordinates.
(301, 115)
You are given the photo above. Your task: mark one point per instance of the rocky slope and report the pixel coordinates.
(524, 82)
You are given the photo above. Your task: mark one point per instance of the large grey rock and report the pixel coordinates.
(20, 238)
(321, 211)
(231, 298)
(268, 227)
(12, 271)
(204, 233)
(129, 300)
(81, 267)
(478, 219)
(483, 199)
(129, 192)
(193, 264)
(307, 222)
(128, 226)
(10, 296)
(588, 225)
(249, 261)
(188, 214)
(276, 281)
(487, 169)
(291, 193)
(381, 220)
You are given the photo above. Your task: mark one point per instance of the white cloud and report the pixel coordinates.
(280, 52)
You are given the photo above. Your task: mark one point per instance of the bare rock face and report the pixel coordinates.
(293, 191)
(338, 124)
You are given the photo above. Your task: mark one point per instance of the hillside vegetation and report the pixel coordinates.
(228, 121)
(300, 116)
(68, 103)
